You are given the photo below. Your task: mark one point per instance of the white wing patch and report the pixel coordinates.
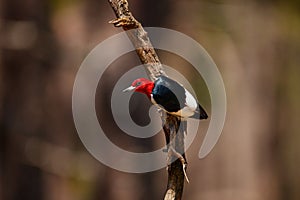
(190, 106)
(190, 101)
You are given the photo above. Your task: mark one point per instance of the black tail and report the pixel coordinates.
(200, 113)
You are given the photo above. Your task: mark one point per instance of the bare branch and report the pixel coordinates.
(138, 37)
(174, 133)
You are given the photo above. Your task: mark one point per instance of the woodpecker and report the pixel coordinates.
(170, 96)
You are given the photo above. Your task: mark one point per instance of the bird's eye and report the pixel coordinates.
(138, 83)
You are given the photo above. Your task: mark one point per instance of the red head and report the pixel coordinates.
(141, 85)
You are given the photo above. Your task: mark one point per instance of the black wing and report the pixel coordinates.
(168, 94)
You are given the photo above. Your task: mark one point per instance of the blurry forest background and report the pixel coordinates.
(255, 44)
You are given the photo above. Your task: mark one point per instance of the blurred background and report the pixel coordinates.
(255, 44)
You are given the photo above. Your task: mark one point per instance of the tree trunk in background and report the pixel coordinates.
(288, 117)
(242, 165)
(2, 137)
(26, 51)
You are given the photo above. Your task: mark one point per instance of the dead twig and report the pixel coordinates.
(174, 133)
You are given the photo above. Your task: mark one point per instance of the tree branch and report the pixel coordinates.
(173, 129)
(138, 37)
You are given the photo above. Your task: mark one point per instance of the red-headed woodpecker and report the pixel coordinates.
(170, 96)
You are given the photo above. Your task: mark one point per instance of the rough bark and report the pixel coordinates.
(171, 124)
